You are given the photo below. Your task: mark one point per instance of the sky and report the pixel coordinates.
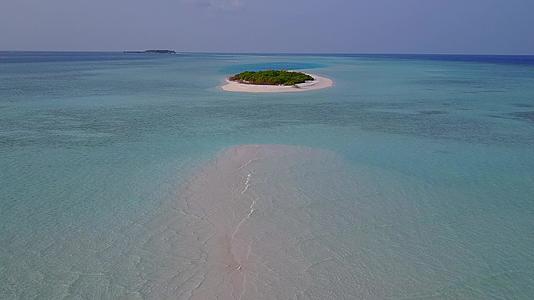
(281, 26)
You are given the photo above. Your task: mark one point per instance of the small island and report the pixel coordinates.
(152, 51)
(272, 77)
(275, 81)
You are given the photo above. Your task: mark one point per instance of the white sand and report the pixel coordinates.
(319, 82)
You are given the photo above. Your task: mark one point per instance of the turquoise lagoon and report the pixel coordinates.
(127, 176)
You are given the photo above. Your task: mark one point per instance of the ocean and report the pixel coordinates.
(134, 176)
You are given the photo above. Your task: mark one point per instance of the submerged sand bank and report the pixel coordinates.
(248, 200)
(248, 212)
(319, 82)
(258, 222)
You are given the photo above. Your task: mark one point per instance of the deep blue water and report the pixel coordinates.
(37, 56)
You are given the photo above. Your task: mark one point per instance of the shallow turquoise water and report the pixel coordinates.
(438, 203)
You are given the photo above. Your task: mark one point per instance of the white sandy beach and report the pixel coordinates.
(319, 82)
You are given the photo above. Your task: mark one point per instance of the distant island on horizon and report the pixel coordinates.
(156, 51)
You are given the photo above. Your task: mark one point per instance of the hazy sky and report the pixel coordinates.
(327, 26)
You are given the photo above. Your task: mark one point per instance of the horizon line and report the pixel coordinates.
(273, 53)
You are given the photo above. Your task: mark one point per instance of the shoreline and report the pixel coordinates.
(318, 83)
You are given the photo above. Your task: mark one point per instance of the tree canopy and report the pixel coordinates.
(271, 77)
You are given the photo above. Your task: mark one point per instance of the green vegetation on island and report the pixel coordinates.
(271, 77)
